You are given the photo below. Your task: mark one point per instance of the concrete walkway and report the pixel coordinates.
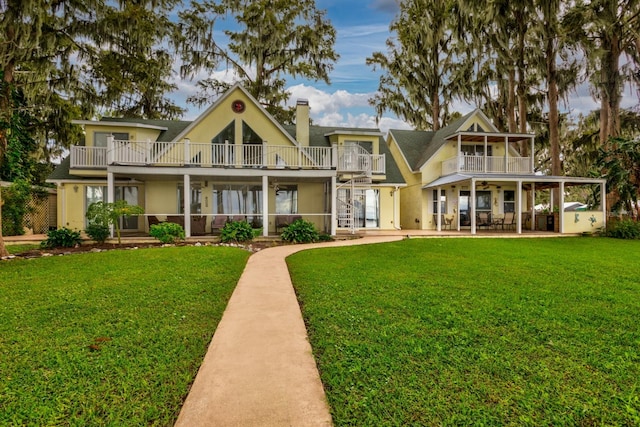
(259, 369)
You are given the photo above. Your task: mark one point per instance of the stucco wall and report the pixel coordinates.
(583, 221)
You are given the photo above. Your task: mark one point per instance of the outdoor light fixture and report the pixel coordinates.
(75, 188)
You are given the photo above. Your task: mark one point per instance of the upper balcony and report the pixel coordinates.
(487, 164)
(186, 153)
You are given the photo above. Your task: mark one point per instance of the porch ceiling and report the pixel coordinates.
(491, 137)
(540, 181)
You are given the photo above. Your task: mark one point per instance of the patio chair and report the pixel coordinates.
(198, 225)
(509, 220)
(218, 222)
(152, 220)
(483, 219)
(239, 218)
(176, 219)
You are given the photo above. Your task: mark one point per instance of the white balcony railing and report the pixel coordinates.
(150, 153)
(88, 157)
(487, 164)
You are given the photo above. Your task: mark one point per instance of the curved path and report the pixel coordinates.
(259, 369)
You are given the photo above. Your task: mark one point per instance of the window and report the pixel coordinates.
(130, 194)
(237, 199)
(475, 149)
(100, 138)
(94, 194)
(443, 201)
(98, 193)
(287, 200)
(196, 199)
(483, 201)
(509, 201)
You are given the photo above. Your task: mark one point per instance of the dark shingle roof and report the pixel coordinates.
(174, 127)
(419, 146)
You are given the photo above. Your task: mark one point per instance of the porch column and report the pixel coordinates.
(519, 208)
(603, 202)
(334, 197)
(472, 205)
(531, 157)
(265, 205)
(187, 156)
(110, 150)
(460, 161)
(110, 195)
(533, 206)
(561, 209)
(187, 205)
(438, 209)
(506, 154)
(486, 157)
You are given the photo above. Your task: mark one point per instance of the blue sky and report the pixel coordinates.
(362, 28)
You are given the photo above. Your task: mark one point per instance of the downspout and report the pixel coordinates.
(396, 213)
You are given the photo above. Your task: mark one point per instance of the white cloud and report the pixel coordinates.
(323, 103)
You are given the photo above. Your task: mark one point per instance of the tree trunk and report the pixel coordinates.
(511, 101)
(3, 249)
(435, 111)
(614, 86)
(554, 122)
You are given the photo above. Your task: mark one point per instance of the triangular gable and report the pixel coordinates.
(222, 100)
(461, 124)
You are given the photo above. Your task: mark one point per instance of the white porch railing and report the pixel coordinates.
(487, 164)
(150, 153)
(88, 157)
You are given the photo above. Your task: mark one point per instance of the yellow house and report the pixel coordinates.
(234, 162)
(470, 176)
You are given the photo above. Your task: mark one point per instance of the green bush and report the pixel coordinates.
(62, 238)
(300, 231)
(625, 229)
(98, 232)
(167, 232)
(236, 231)
(15, 208)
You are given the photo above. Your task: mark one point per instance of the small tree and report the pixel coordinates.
(102, 213)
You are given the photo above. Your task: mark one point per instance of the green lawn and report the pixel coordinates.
(111, 338)
(476, 331)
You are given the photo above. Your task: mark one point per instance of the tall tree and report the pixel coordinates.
(609, 33)
(129, 71)
(274, 39)
(417, 83)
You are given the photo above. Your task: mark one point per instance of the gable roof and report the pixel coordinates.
(418, 147)
(226, 95)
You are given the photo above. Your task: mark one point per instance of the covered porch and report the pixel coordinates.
(506, 204)
(268, 200)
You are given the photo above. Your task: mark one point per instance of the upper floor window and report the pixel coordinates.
(475, 128)
(367, 145)
(475, 149)
(100, 138)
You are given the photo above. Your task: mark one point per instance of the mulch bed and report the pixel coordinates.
(44, 252)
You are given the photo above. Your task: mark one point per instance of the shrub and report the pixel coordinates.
(15, 208)
(300, 231)
(110, 213)
(62, 238)
(325, 238)
(167, 232)
(625, 229)
(98, 232)
(236, 231)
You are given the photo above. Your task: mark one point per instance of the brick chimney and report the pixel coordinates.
(302, 122)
